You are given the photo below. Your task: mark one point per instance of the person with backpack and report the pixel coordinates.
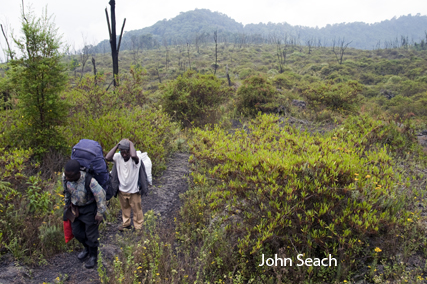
(85, 205)
(131, 181)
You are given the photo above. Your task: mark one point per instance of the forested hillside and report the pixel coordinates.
(199, 25)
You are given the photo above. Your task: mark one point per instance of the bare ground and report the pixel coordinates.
(163, 199)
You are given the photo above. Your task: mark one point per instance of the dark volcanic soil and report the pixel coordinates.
(163, 198)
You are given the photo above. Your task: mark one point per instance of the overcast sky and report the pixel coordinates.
(84, 20)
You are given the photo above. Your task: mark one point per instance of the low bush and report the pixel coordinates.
(255, 92)
(339, 97)
(30, 210)
(151, 131)
(193, 99)
(276, 190)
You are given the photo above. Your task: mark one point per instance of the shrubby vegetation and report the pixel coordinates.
(274, 189)
(256, 92)
(194, 99)
(347, 179)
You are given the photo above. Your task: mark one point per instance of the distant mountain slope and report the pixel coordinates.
(187, 24)
(201, 23)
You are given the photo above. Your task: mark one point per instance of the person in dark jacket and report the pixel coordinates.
(87, 210)
(132, 182)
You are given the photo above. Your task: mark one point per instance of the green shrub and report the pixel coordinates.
(245, 73)
(376, 134)
(254, 92)
(283, 82)
(340, 97)
(151, 131)
(30, 209)
(193, 99)
(297, 193)
(38, 77)
(91, 98)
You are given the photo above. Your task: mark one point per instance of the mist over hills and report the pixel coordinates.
(198, 26)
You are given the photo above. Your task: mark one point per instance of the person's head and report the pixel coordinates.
(124, 147)
(72, 170)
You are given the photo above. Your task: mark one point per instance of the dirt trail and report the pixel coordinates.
(163, 198)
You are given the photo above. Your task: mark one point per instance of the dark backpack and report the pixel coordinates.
(91, 158)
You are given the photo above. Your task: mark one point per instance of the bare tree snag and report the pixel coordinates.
(281, 55)
(94, 69)
(342, 47)
(188, 52)
(113, 39)
(228, 76)
(84, 56)
(10, 53)
(215, 37)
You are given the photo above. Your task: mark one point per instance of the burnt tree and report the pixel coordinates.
(339, 52)
(215, 37)
(113, 39)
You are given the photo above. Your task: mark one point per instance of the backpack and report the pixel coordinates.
(91, 158)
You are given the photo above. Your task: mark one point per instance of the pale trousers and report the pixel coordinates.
(128, 202)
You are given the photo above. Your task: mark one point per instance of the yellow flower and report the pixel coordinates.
(356, 174)
(356, 179)
(409, 220)
(368, 176)
(377, 249)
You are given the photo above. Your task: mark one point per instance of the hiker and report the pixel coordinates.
(132, 182)
(86, 208)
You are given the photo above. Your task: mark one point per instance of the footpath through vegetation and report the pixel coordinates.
(161, 203)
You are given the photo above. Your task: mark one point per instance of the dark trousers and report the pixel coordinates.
(85, 227)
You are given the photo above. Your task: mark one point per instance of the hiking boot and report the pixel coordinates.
(91, 262)
(82, 255)
(122, 228)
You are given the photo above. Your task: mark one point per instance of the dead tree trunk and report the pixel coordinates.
(215, 37)
(188, 53)
(342, 47)
(228, 77)
(94, 70)
(6, 96)
(281, 56)
(113, 39)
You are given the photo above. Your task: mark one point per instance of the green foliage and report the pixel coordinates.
(30, 209)
(283, 82)
(38, 78)
(339, 97)
(245, 73)
(294, 192)
(254, 93)
(150, 130)
(373, 135)
(193, 99)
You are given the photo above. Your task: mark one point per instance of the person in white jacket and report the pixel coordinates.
(131, 186)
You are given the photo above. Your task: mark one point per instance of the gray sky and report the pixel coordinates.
(83, 21)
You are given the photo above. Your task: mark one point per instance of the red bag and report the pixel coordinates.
(68, 233)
